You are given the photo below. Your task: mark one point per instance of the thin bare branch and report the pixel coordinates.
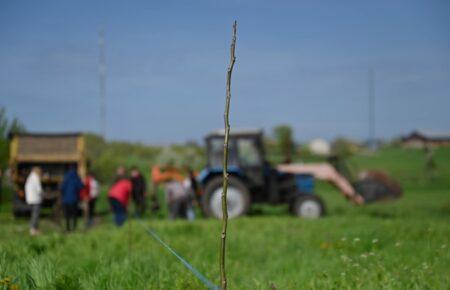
(223, 276)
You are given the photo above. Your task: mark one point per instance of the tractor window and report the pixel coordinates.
(249, 154)
(216, 153)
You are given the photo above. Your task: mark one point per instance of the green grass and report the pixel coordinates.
(398, 245)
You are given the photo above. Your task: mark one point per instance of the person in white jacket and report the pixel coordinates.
(33, 197)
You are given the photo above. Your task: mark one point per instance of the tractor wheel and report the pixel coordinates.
(238, 198)
(308, 206)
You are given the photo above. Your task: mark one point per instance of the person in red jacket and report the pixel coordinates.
(119, 195)
(88, 196)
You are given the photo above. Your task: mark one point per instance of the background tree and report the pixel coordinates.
(284, 141)
(345, 148)
(6, 127)
(3, 138)
(16, 126)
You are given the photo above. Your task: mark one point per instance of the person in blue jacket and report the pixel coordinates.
(70, 190)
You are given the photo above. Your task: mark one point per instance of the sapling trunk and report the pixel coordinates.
(223, 276)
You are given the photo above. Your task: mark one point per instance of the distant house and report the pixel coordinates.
(418, 139)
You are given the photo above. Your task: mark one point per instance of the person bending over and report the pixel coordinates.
(119, 195)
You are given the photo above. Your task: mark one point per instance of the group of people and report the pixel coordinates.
(73, 192)
(180, 192)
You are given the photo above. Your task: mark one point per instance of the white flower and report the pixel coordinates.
(356, 240)
(345, 258)
(374, 241)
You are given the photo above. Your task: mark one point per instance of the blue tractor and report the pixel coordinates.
(252, 179)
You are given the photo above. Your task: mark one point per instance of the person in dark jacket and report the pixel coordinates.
(138, 191)
(70, 189)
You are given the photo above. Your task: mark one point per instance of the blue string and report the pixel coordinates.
(210, 285)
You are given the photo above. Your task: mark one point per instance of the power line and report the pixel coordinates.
(371, 107)
(102, 80)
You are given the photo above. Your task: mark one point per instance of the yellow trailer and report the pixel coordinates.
(54, 153)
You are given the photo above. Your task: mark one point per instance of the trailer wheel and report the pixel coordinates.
(308, 206)
(238, 198)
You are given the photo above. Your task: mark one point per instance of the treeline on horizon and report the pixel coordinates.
(105, 156)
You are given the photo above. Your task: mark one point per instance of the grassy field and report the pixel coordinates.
(399, 245)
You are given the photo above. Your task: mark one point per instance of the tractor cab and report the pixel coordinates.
(245, 155)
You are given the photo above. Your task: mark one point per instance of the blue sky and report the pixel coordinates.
(303, 63)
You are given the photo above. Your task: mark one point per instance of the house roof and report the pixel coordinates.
(428, 135)
(45, 134)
